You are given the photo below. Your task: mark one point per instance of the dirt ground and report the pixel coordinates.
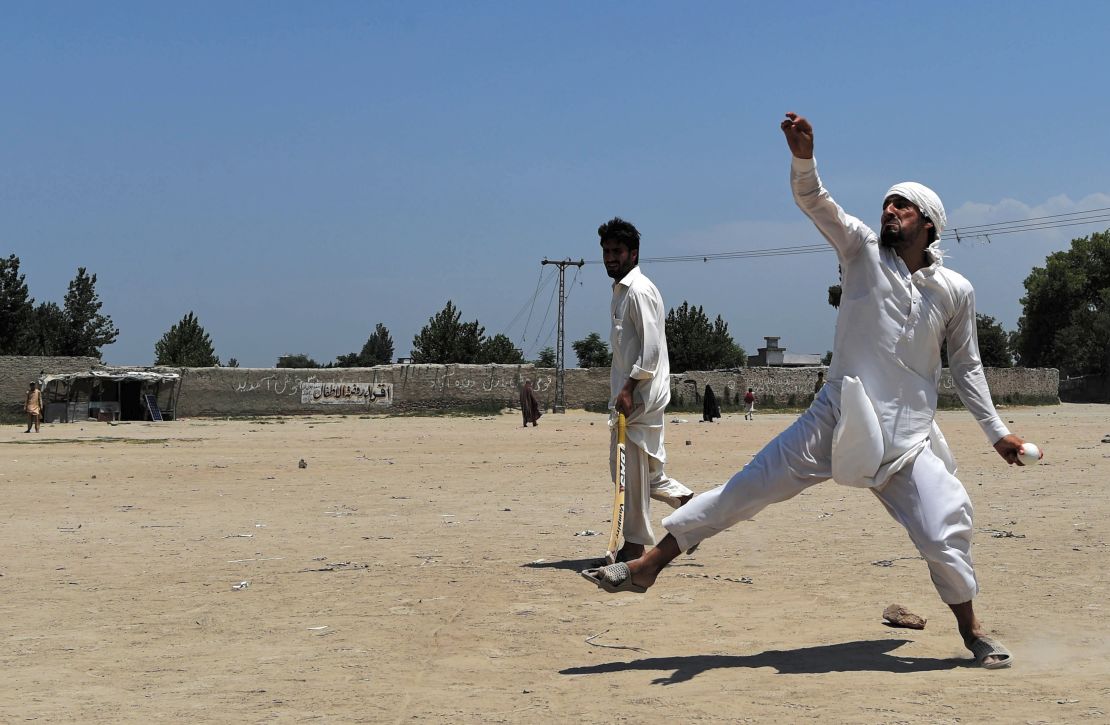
(425, 570)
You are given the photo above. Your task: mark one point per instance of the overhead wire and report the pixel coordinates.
(541, 340)
(741, 254)
(1065, 216)
(976, 231)
(530, 306)
(1052, 221)
(546, 314)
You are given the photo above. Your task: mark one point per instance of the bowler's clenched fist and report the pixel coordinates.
(799, 135)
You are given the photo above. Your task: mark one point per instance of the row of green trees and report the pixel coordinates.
(76, 328)
(445, 339)
(694, 344)
(377, 350)
(1065, 324)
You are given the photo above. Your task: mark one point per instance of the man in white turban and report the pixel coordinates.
(872, 424)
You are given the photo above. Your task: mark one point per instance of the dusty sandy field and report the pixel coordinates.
(425, 570)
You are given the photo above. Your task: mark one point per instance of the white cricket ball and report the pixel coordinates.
(1030, 454)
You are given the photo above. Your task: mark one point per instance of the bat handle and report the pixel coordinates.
(622, 428)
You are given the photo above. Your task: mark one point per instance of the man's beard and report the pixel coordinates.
(620, 272)
(892, 237)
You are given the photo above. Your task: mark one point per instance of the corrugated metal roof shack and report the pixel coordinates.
(110, 395)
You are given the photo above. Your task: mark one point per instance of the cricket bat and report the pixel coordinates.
(618, 494)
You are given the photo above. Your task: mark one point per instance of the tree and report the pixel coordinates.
(592, 352)
(299, 360)
(49, 329)
(994, 342)
(546, 358)
(350, 360)
(446, 340)
(695, 344)
(232, 363)
(378, 349)
(86, 330)
(499, 349)
(186, 344)
(1065, 321)
(17, 310)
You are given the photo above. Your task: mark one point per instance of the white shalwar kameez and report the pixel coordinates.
(872, 423)
(639, 343)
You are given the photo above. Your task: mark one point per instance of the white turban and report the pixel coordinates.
(925, 199)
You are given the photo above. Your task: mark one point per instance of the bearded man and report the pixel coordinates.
(872, 423)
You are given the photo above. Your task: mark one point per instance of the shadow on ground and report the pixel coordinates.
(568, 564)
(860, 656)
(580, 564)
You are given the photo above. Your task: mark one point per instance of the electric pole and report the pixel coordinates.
(560, 405)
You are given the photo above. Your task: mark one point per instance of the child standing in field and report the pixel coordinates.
(33, 407)
(749, 400)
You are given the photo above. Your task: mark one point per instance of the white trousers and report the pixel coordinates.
(924, 497)
(644, 480)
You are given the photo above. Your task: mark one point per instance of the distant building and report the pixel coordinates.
(774, 356)
(404, 361)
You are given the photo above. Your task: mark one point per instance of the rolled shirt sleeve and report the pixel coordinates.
(651, 332)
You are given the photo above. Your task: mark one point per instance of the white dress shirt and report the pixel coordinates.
(891, 326)
(638, 340)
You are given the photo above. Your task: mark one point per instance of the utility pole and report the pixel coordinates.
(560, 405)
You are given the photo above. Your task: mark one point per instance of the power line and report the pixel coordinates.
(1055, 221)
(530, 306)
(745, 254)
(742, 254)
(976, 231)
(1105, 210)
(550, 302)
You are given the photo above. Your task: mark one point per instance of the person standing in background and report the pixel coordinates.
(33, 406)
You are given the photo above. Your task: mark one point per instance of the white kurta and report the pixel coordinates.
(890, 329)
(638, 340)
(885, 371)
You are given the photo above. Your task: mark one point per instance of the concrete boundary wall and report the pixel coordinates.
(409, 388)
(399, 388)
(17, 371)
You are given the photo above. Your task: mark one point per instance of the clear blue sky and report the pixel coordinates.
(295, 173)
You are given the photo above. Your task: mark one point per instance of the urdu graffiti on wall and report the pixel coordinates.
(278, 385)
(312, 391)
(347, 393)
(489, 383)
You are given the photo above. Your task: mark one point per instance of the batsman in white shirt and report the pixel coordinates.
(639, 384)
(872, 425)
